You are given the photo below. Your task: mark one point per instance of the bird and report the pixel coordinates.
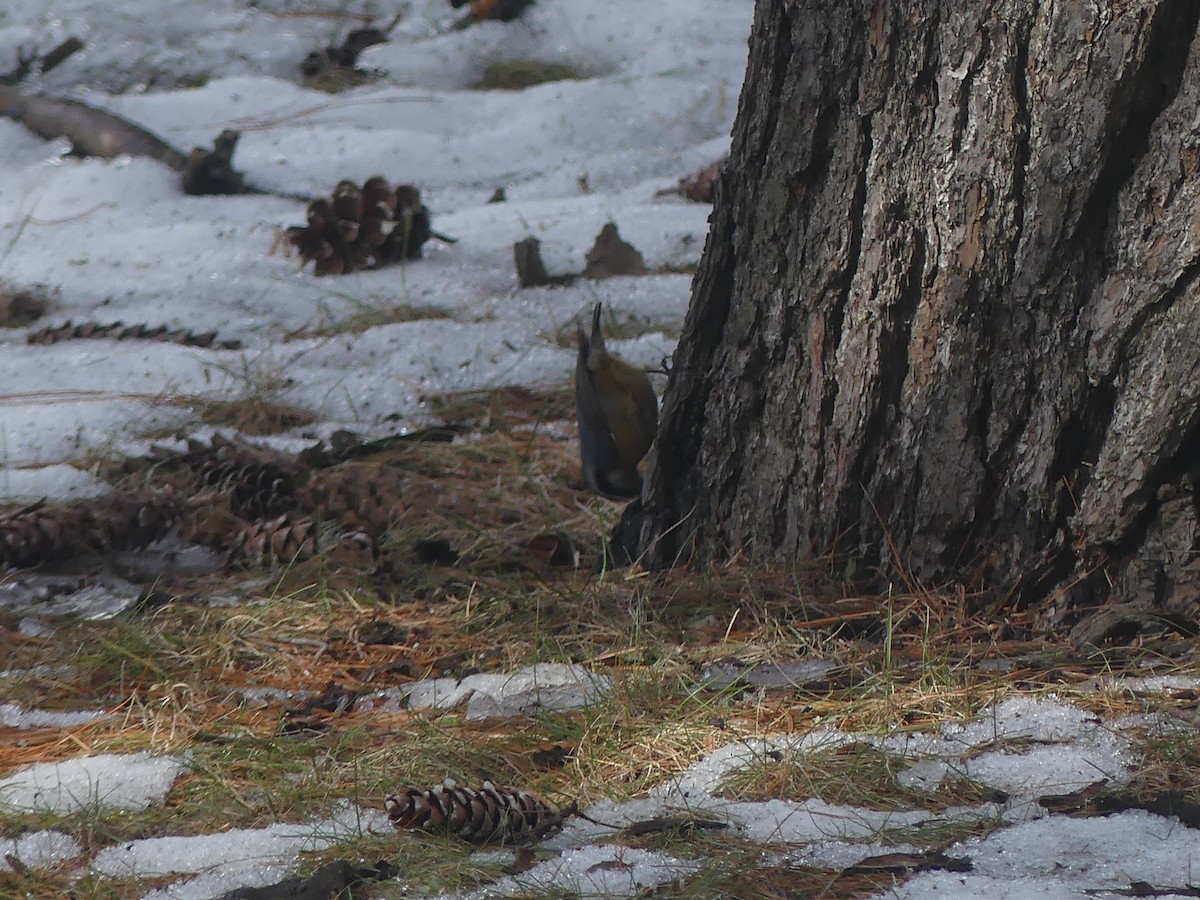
(618, 416)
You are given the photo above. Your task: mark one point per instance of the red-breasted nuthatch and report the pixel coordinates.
(618, 417)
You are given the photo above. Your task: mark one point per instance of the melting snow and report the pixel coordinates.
(134, 781)
(12, 715)
(599, 871)
(546, 686)
(1061, 857)
(50, 596)
(225, 877)
(240, 847)
(54, 482)
(38, 849)
(115, 240)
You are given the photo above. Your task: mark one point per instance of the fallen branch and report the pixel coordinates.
(45, 63)
(91, 131)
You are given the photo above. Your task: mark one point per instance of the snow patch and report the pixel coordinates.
(54, 482)
(38, 849)
(242, 857)
(133, 781)
(12, 715)
(599, 871)
(545, 686)
(226, 878)
(116, 240)
(50, 596)
(1059, 857)
(703, 778)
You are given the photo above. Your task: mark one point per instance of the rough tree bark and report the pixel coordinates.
(946, 313)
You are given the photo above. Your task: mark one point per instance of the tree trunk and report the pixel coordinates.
(946, 315)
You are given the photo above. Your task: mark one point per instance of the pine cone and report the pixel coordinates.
(256, 490)
(488, 815)
(209, 520)
(362, 228)
(285, 540)
(118, 331)
(225, 464)
(128, 521)
(371, 499)
(412, 228)
(40, 534)
(279, 541)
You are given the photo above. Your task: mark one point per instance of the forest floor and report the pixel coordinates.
(221, 649)
(745, 732)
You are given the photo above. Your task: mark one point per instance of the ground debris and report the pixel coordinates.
(497, 10)
(334, 879)
(91, 131)
(119, 331)
(681, 825)
(531, 270)
(211, 172)
(611, 256)
(44, 62)
(1146, 889)
(1100, 800)
(336, 66)
(698, 187)
(901, 863)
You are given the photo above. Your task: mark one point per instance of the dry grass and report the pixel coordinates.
(367, 316)
(253, 403)
(506, 408)
(620, 327)
(252, 415)
(516, 74)
(857, 774)
(175, 675)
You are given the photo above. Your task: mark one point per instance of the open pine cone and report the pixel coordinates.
(487, 815)
(363, 228)
(41, 533)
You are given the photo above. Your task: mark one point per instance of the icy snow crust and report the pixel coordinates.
(13, 715)
(546, 686)
(38, 849)
(106, 781)
(116, 240)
